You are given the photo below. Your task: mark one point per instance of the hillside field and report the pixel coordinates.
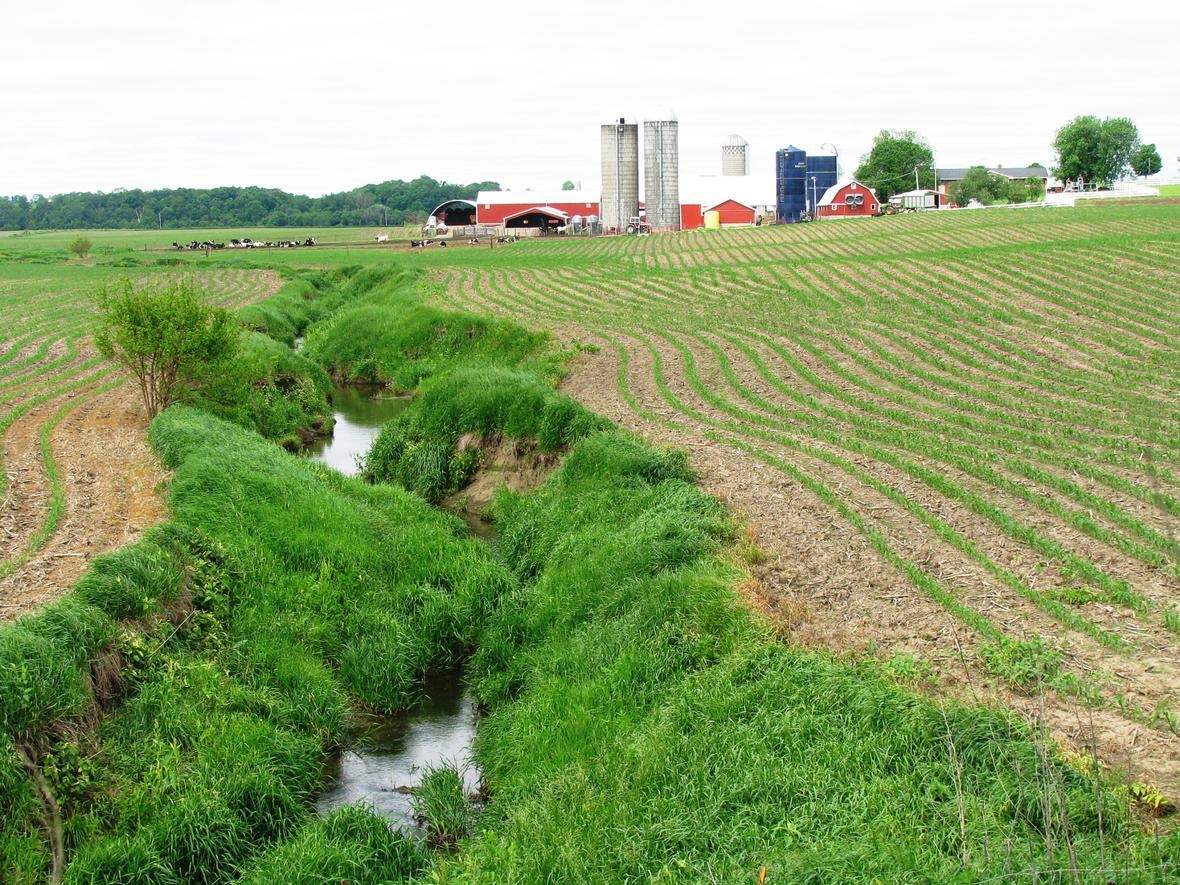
(949, 443)
(955, 437)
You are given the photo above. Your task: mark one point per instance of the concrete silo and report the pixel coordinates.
(735, 156)
(620, 173)
(661, 173)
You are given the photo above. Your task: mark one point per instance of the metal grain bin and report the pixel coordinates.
(791, 184)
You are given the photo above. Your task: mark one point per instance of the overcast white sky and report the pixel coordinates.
(326, 96)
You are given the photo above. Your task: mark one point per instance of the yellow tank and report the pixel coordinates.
(712, 220)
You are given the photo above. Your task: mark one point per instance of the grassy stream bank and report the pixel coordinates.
(640, 723)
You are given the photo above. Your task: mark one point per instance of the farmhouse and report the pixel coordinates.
(947, 178)
(848, 199)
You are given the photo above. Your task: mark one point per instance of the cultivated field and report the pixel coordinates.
(78, 478)
(955, 437)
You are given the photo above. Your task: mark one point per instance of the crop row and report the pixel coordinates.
(48, 368)
(1007, 406)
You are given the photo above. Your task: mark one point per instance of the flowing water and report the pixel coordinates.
(389, 756)
(359, 413)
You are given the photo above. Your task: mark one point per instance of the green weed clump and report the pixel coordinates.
(682, 741)
(442, 806)
(349, 845)
(272, 389)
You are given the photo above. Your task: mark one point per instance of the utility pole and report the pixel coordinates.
(814, 200)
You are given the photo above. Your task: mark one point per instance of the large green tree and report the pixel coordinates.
(1097, 150)
(889, 167)
(1146, 161)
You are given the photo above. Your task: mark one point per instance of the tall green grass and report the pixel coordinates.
(281, 594)
(388, 336)
(645, 726)
(304, 299)
(418, 450)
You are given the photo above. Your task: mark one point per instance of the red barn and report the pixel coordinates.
(848, 199)
(733, 212)
(496, 207)
(737, 199)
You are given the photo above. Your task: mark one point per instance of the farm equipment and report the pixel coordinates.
(636, 225)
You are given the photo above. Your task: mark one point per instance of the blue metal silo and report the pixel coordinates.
(791, 184)
(821, 175)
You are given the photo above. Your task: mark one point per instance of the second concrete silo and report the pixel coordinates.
(735, 156)
(620, 173)
(661, 173)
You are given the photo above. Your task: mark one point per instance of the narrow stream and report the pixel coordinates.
(389, 756)
(386, 757)
(359, 413)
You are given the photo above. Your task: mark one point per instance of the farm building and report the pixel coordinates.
(737, 200)
(848, 199)
(536, 218)
(523, 208)
(920, 199)
(495, 207)
(947, 178)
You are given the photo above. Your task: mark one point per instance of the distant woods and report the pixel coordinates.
(389, 203)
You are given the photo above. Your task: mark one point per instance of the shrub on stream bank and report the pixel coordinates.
(270, 388)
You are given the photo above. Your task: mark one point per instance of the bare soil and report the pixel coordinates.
(824, 585)
(111, 479)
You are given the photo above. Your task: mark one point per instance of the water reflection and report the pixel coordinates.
(389, 756)
(359, 412)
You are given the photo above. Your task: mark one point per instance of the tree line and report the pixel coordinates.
(1097, 151)
(388, 203)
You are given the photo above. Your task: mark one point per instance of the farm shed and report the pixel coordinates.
(455, 213)
(920, 199)
(848, 199)
(738, 200)
(495, 207)
(537, 218)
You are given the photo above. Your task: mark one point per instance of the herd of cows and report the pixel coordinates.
(243, 243)
(247, 243)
